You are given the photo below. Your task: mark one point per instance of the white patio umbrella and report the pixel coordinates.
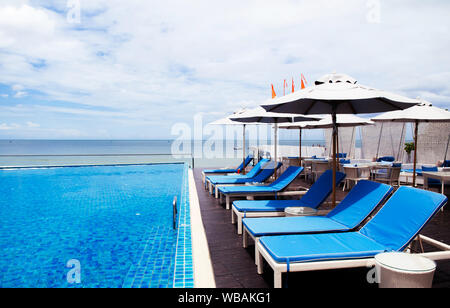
(228, 121)
(425, 112)
(259, 115)
(338, 94)
(342, 120)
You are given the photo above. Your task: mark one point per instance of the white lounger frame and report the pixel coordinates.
(280, 268)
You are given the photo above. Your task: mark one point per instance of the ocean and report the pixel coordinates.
(99, 152)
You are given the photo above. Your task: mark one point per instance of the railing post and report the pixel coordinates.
(175, 211)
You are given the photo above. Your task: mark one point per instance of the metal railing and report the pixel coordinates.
(175, 212)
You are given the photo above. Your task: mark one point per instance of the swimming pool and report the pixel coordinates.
(114, 223)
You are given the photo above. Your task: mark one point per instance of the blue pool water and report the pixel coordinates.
(115, 220)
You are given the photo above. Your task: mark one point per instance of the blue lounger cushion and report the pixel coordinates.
(393, 228)
(359, 203)
(315, 196)
(320, 247)
(403, 217)
(386, 159)
(248, 160)
(259, 227)
(220, 171)
(281, 183)
(218, 178)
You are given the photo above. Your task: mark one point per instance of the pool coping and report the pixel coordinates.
(203, 269)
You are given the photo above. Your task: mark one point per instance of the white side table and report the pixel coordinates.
(300, 211)
(254, 184)
(402, 270)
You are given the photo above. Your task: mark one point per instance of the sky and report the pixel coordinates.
(114, 69)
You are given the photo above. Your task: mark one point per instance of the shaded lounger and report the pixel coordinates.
(274, 189)
(356, 207)
(393, 228)
(313, 198)
(213, 180)
(248, 160)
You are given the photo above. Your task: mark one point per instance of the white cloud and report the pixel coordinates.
(146, 62)
(5, 126)
(33, 125)
(17, 87)
(20, 94)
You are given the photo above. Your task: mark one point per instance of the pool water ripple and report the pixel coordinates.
(116, 220)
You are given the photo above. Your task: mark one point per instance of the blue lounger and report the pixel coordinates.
(268, 170)
(359, 203)
(252, 173)
(273, 189)
(313, 198)
(392, 229)
(248, 160)
(214, 179)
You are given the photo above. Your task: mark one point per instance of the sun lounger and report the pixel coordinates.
(241, 167)
(265, 174)
(313, 198)
(356, 207)
(275, 189)
(255, 170)
(259, 179)
(393, 228)
(212, 181)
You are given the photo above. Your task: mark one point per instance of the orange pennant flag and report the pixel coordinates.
(284, 87)
(273, 93)
(293, 86)
(303, 82)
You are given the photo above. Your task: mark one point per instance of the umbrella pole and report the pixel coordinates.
(331, 144)
(416, 136)
(361, 137)
(334, 156)
(243, 149)
(300, 148)
(276, 148)
(446, 149)
(337, 142)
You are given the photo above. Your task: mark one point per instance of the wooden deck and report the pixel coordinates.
(234, 266)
